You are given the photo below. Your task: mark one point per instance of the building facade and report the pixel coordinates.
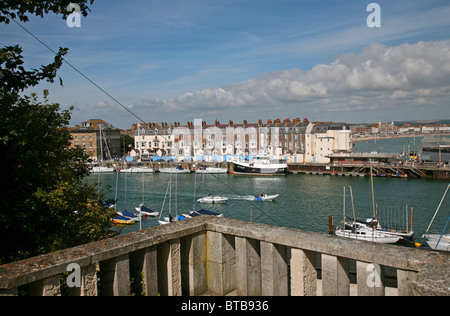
(99, 139)
(294, 141)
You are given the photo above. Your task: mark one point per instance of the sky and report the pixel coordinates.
(177, 60)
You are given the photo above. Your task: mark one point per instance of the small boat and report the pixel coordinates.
(212, 199)
(211, 170)
(122, 220)
(144, 210)
(204, 212)
(178, 169)
(264, 197)
(130, 215)
(101, 169)
(368, 234)
(404, 235)
(137, 170)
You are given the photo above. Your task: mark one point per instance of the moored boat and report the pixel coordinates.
(260, 165)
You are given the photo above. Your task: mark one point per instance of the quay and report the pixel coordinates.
(336, 168)
(220, 256)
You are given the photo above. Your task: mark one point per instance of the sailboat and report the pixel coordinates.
(439, 241)
(366, 232)
(100, 168)
(170, 219)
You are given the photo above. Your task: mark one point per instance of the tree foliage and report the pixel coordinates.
(44, 205)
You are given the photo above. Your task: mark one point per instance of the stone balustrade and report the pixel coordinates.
(219, 256)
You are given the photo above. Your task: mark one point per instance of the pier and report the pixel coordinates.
(220, 256)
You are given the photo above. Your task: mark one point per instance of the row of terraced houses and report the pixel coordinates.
(295, 140)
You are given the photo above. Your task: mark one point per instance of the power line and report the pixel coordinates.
(124, 107)
(78, 71)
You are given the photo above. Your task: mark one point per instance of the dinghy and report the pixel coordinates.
(144, 210)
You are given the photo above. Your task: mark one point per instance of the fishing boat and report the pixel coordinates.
(439, 241)
(144, 210)
(207, 170)
(259, 165)
(264, 197)
(177, 170)
(212, 199)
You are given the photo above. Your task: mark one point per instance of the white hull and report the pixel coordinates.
(213, 199)
(368, 235)
(212, 170)
(174, 170)
(137, 170)
(433, 239)
(264, 197)
(101, 169)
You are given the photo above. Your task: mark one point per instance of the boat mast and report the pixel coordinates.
(437, 210)
(374, 221)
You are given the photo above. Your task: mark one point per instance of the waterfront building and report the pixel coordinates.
(294, 141)
(97, 138)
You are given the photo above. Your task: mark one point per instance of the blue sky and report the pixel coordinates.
(233, 60)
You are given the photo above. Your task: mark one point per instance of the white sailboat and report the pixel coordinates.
(100, 168)
(366, 232)
(439, 241)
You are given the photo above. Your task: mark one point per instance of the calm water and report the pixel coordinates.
(305, 201)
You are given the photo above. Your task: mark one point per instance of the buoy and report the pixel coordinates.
(417, 244)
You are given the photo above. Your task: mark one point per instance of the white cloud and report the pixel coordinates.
(379, 77)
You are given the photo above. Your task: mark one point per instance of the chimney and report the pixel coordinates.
(230, 123)
(305, 120)
(296, 120)
(260, 122)
(216, 123)
(245, 122)
(277, 121)
(286, 121)
(269, 121)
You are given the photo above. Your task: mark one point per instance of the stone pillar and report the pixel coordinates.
(274, 269)
(248, 267)
(88, 282)
(145, 271)
(370, 279)
(303, 273)
(221, 263)
(115, 276)
(193, 264)
(404, 282)
(169, 268)
(46, 287)
(335, 276)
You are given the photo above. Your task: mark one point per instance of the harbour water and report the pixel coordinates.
(305, 201)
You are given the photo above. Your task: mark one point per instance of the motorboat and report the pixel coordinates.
(264, 197)
(212, 199)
